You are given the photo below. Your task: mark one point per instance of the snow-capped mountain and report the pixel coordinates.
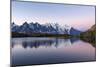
(14, 27)
(51, 28)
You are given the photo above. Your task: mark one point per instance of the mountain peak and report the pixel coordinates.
(74, 31)
(25, 23)
(13, 23)
(36, 23)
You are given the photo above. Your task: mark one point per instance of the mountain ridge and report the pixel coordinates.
(44, 28)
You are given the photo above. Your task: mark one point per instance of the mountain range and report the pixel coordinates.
(50, 28)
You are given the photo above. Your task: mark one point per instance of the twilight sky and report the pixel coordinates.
(77, 16)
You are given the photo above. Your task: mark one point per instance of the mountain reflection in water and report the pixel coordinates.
(35, 50)
(43, 42)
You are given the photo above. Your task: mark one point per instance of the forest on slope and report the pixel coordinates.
(89, 35)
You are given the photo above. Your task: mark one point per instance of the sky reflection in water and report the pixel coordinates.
(31, 51)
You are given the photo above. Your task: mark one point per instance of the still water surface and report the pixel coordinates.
(35, 50)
